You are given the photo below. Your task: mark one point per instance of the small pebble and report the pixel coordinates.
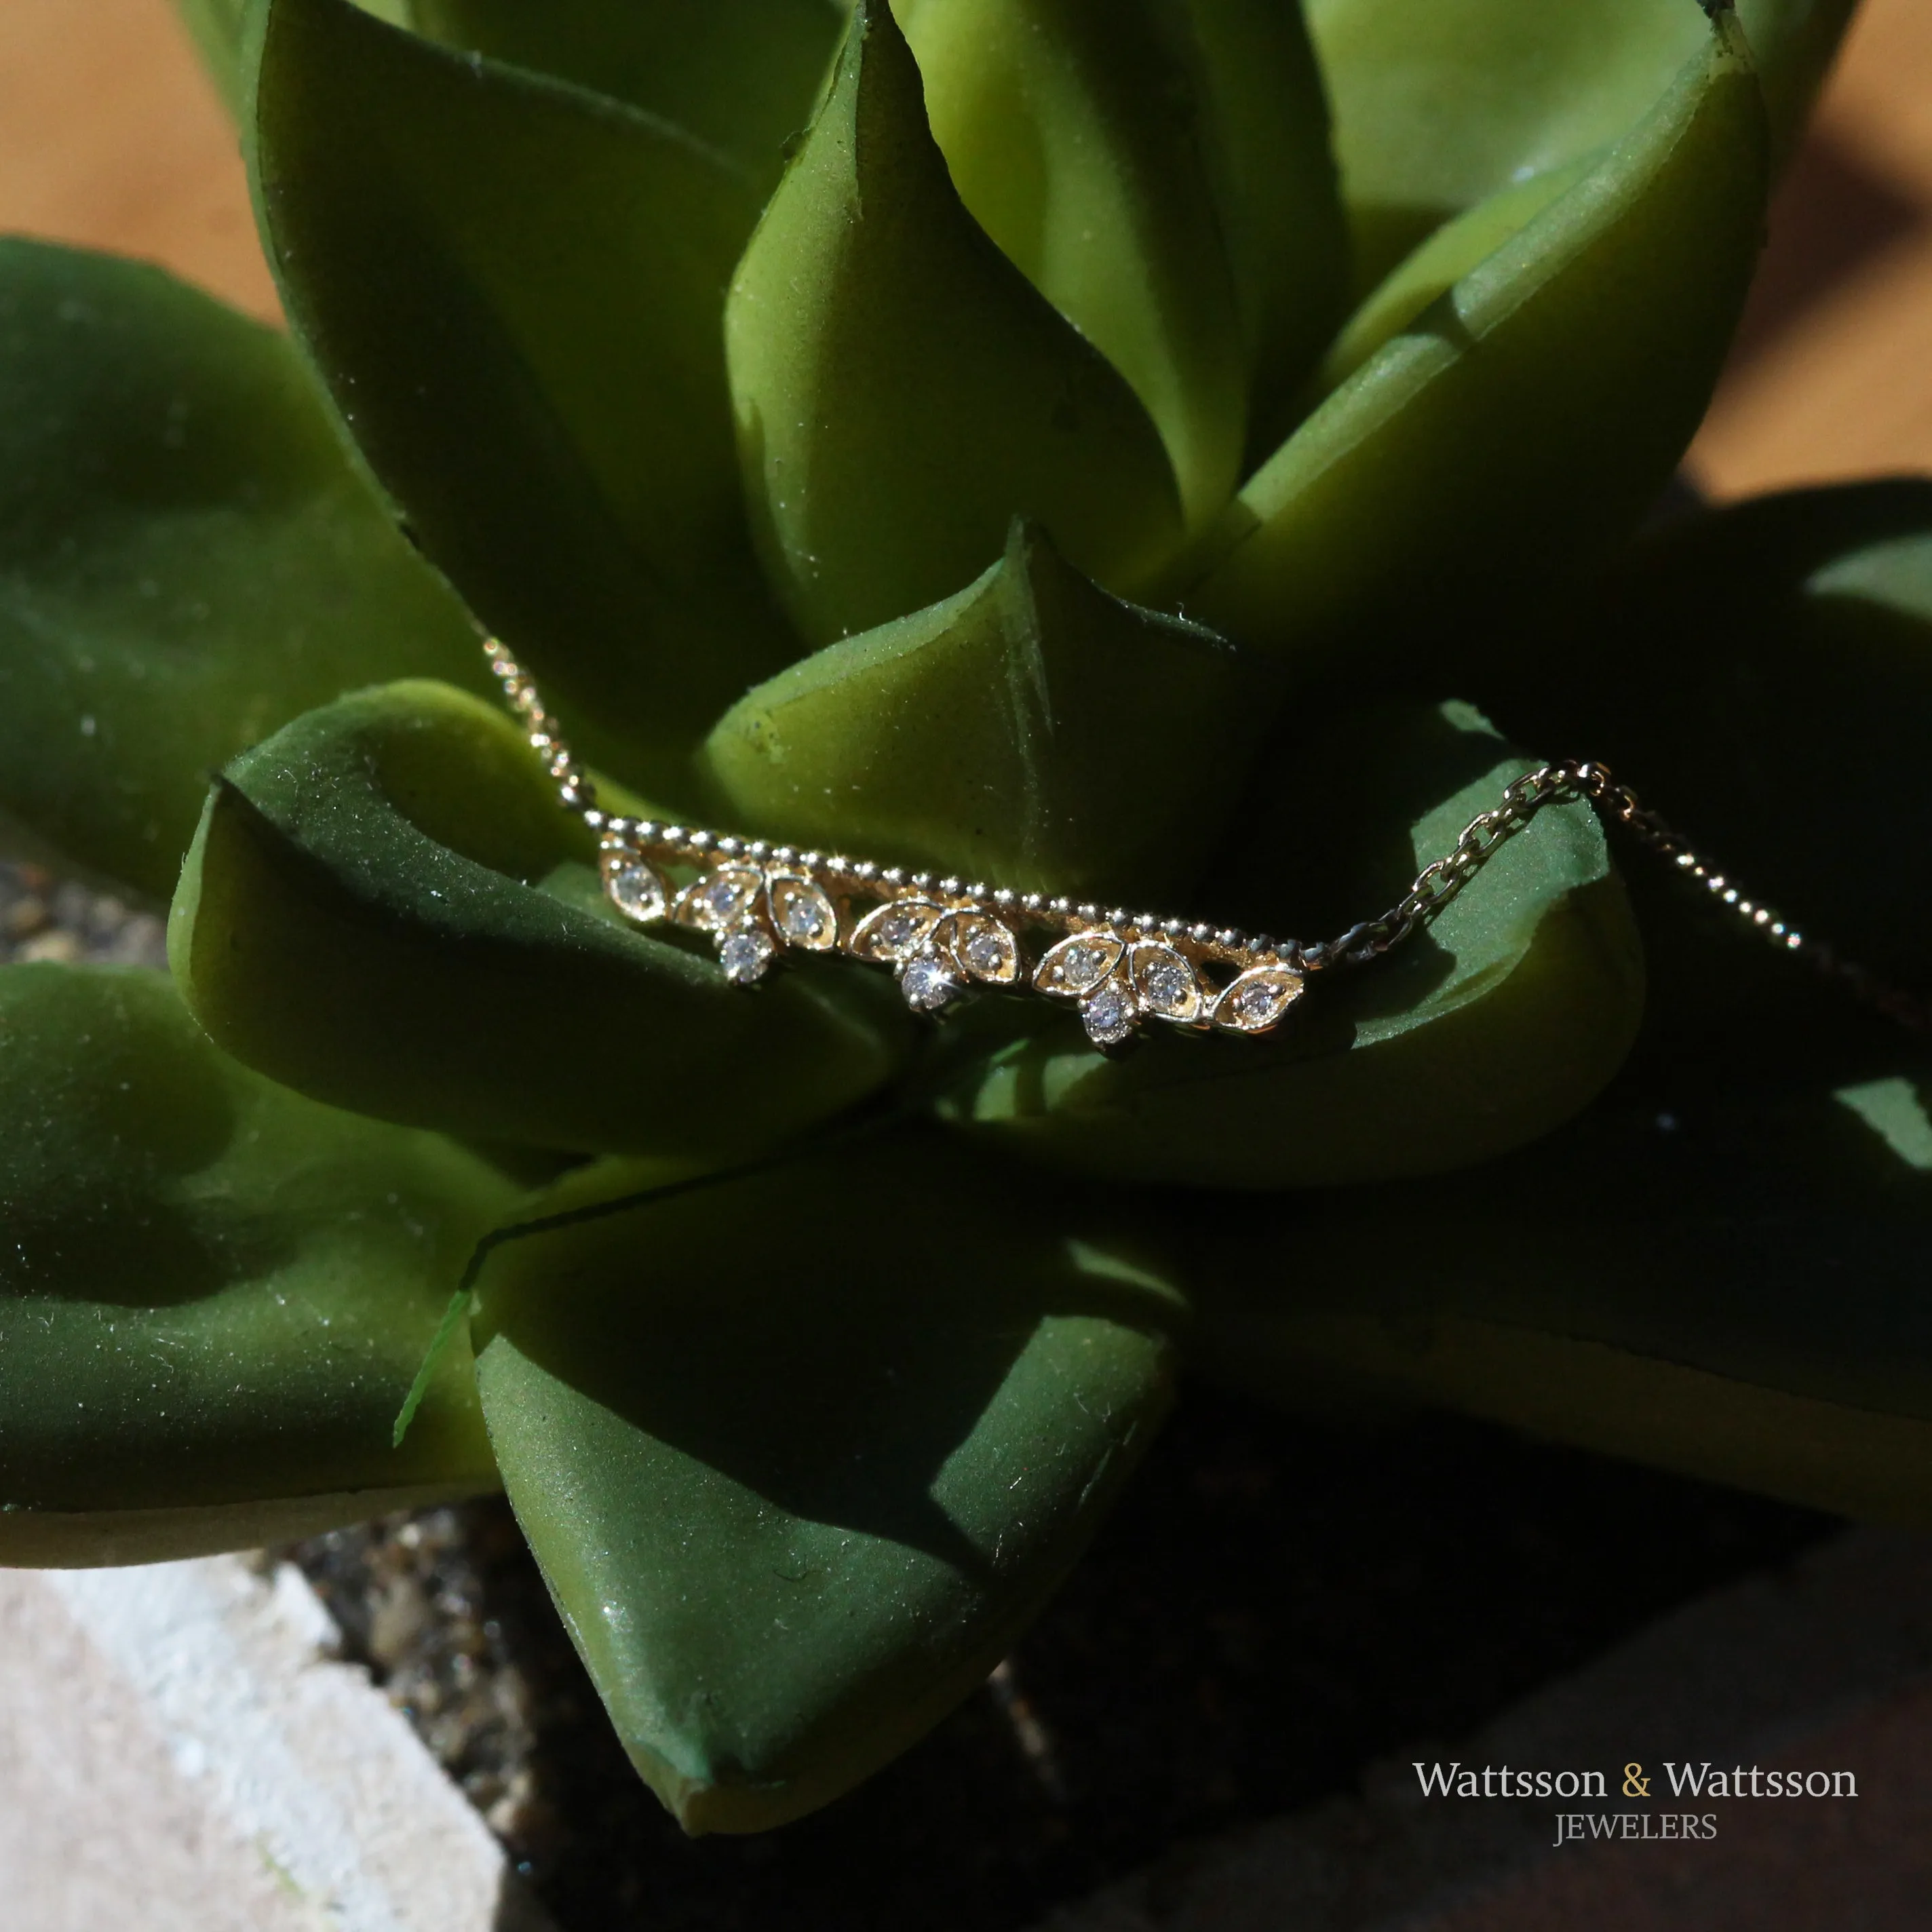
(57, 946)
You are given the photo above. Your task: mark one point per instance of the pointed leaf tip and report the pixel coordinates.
(1072, 130)
(1519, 427)
(1032, 730)
(510, 287)
(880, 346)
(794, 1492)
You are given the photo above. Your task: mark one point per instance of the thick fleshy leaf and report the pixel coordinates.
(1497, 1022)
(385, 909)
(1731, 1284)
(512, 289)
(801, 1453)
(1031, 730)
(215, 25)
(742, 75)
(219, 29)
(903, 392)
(1266, 135)
(1526, 420)
(1435, 268)
(1772, 697)
(1073, 133)
(213, 1294)
(187, 559)
(1439, 106)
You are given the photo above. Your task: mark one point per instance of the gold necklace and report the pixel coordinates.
(943, 937)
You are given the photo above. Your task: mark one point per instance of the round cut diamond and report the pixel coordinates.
(1256, 1004)
(898, 929)
(927, 985)
(1167, 984)
(745, 954)
(1084, 963)
(986, 950)
(804, 915)
(727, 896)
(638, 891)
(804, 918)
(1108, 1015)
(983, 952)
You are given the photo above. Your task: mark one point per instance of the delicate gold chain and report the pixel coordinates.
(941, 934)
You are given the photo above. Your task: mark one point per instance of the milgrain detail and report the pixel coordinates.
(943, 937)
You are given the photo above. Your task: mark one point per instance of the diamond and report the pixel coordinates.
(1166, 982)
(895, 929)
(636, 890)
(1255, 1001)
(720, 899)
(745, 954)
(1078, 965)
(1108, 1015)
(986, 949)
(926, 984)
(724, 898)
(803, 920)
(802, 913)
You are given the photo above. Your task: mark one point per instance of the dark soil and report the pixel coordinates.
(1275, 1605)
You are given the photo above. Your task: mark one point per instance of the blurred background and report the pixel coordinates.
(111, 137)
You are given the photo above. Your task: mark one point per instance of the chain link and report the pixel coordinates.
(1438, 883)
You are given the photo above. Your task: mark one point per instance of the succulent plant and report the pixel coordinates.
(1110, 446)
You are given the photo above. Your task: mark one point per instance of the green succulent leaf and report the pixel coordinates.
(1455, 249)
(1722, 1267)
(219, 30)
(1525, 419)
(511, 288)
(796, 1497)
(1498, 1021)
(1438, 107)
(987, 736)
(902, 392)
(1072, 133)
(215, 26)
(741, 75)
(1266, 133)
(187, 559)
(1794, 635)
(1729, 1284)
(213, 1293)
(385, 909)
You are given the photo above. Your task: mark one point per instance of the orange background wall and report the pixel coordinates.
(110, 136)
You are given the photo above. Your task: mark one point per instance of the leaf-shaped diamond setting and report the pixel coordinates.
(802, 912)
(940, 936)
(635, 887)
(1077, 964)
(1257, 999)
(984, 948)
(894, 930)
(1165, 984)
(720, 899)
